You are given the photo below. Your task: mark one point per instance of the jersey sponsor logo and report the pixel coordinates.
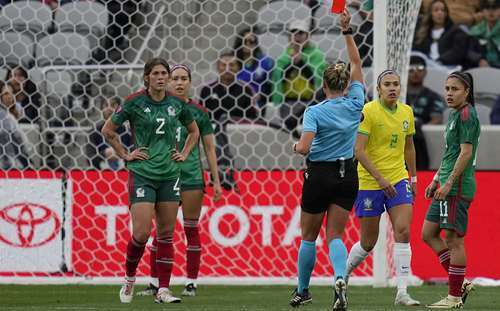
(406, 125)
(171, 111)
(140, 193)
(367, 204)
(34, 225)
(147, 109)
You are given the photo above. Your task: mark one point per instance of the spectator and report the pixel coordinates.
(12, 150)
(488, 34)
(227, 100)
(495, 113)
(297, 76)
(427, 107)
(101, 155)
(256, 66)
(440, 39)
(26, 94)
(462, 12)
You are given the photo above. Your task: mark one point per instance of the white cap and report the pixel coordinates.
(302, 25)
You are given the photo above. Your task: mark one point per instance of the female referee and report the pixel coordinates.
(450, 204)
(383, 146)
(153, 172)
(330, 180)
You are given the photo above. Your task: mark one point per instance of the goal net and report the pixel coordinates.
(63, 194)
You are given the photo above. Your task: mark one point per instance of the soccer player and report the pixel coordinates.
(383, 146)
(330, 180)
(153, 170)
(449, 208)
(191, 181)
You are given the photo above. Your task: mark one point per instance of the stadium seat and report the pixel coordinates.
(276, 15)
(486, 84)
(84, 17)
(435, 79)
(273, 44)
(63, 49)
(31, 16)
(325, 21)
(16, 48)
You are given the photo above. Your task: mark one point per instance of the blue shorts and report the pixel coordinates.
(372, 203)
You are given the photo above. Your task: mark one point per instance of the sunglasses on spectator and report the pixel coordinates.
(417, 68)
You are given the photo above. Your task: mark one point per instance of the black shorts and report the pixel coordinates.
(324, 184)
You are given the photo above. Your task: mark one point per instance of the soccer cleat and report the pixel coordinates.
(189, 290)
(300, 299)
(448, 302)
(405, 300)
(467, 287)
(127, 291)
(340, 295)
(164, 295)
(151, 290)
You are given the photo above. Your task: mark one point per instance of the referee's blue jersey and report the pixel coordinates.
(335, 122)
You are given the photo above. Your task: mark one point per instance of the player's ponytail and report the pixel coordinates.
(336, 76)
(468, 82)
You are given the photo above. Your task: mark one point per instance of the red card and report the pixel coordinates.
(338, 6)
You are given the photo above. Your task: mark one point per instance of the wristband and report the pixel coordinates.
(413, 179)
(349, 31)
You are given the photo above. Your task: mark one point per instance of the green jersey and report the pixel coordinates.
(200, 115)
(153, 125)
(462, 128)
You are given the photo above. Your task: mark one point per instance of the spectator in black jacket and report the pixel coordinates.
(443, 41)
(26, 94)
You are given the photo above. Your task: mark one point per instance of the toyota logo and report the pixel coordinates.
(28, 225)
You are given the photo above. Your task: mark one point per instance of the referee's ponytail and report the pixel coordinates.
(337, 76)
(468, 82)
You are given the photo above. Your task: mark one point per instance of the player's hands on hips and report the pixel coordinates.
(137, 154)
(442, 192)
(217, 192)
(386, 186)
(430, 190)
(345, 20)
(178, 156)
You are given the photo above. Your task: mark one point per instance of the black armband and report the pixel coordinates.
(349, 31)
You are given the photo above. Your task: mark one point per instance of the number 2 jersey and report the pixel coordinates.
(154, 126)
(387, 131)
(462, 128)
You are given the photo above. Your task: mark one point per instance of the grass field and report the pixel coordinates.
(101, 297)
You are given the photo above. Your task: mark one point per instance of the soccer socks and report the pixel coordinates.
(402, 261)
(165, 260)
(456, 277)
(356, 256)
(306, 261)
(338, 257)
(135, 250)
(193, 249)
(444, 259)
(152, 262)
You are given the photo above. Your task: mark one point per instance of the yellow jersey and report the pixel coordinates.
(387, 131)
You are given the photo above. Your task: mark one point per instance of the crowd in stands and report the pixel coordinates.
(452, 34)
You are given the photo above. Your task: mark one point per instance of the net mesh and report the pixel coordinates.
(82, 58)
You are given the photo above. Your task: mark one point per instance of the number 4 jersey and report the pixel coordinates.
(153, 126)
(387, 131)
(462, 128)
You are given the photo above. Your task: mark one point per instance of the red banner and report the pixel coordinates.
(255, 233)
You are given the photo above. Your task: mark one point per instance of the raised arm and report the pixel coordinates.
(352, 49)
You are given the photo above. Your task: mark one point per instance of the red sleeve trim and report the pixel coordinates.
(465, 113)
(136, 94)
(197, 105)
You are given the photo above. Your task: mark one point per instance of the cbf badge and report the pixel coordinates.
(171, 111)
(405, 126)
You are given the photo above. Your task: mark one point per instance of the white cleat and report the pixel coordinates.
(127, 291)
(340, 296)
(189, 290)
(405, 300)
(164, 295)
(467, 287)
(448, 302)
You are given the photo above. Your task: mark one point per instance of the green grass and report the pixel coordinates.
(219, 298)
